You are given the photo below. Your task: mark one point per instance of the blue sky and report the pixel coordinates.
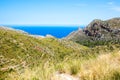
(56, 12)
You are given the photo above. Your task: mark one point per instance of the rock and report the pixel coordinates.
(107, 28)
(98, 30)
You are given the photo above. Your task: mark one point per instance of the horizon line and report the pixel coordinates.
(37, 25)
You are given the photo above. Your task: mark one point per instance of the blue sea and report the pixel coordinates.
(56, 31)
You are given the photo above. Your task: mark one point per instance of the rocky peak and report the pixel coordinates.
(98, 30)
(108, 29)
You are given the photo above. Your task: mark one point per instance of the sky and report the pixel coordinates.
(56, 12)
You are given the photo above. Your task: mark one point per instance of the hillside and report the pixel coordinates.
(78, 35)
(26, 57)
(98, 30)
(18, 49)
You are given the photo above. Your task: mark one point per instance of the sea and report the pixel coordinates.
(56, 31)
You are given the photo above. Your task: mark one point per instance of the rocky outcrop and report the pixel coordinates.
(98, 30)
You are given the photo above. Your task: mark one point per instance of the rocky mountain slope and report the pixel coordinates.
(98, 30)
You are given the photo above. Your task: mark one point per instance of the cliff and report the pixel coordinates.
(98, 30)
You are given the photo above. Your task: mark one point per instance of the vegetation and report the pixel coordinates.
(90, 43)
(24, 57)
(98, 33)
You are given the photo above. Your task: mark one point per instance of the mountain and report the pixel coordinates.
(98, 30)
(30, 57)
(77, 35)
(109, 29)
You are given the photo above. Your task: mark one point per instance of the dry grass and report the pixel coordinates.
(42, 72)
(104, 67)
(26, 58)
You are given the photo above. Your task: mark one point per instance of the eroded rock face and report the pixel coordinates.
(98, 30)
(109, 29)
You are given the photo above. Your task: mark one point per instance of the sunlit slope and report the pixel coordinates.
(20, 49)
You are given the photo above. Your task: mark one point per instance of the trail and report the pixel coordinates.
(64, 76)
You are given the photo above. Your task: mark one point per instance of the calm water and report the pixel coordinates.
(56, 31)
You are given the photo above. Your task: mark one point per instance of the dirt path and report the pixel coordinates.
(64, 76)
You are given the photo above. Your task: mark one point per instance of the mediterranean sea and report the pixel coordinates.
(56, 31)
